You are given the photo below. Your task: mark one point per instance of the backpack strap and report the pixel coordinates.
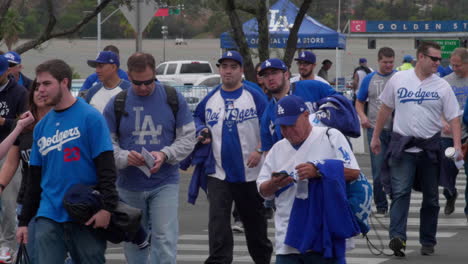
(119, 109)
(172, 99)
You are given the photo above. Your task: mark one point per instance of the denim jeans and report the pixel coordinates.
(403, 173)
(448, 142)
(53, 240)
(309, 257)
(249, 204)
(380, 198)
(160, 219)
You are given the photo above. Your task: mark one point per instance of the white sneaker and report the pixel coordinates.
(238, 227)
(6, 255)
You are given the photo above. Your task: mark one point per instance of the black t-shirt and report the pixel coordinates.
(24, 142)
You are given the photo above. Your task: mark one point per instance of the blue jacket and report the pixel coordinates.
(93, 90)
(203, 160)
(433, 149)
(322, 222)
(93, 78)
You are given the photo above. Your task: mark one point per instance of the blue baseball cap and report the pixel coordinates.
(12, 57)
(105, 57)
(289, 108)
(362, 60)
(272, 64)
(407, 58)
(306, 56)
(232, 55)
(3, 65)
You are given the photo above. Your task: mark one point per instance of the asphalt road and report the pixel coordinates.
(451, 248)
(76, 52)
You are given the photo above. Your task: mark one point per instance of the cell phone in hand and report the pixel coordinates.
(281, 174)
(205, 135)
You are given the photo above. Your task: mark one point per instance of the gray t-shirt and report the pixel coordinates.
(371, 88)
(460, 88)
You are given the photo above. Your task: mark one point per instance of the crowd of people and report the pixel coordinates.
(258, 146)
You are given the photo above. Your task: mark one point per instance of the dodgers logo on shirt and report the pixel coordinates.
(233, 115)
(419, 97)
(346, 156)
(47, 144)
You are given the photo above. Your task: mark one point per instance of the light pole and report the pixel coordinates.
(337, 54)
(181, 8)
(164, 33)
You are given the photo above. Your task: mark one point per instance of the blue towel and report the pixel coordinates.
(322, 222)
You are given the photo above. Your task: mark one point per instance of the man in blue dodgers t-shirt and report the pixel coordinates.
(231, 113)
(150, 123)
(71, 145)
(276, 79)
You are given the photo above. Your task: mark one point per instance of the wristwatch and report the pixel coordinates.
(259, 150)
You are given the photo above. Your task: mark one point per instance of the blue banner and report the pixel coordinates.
(417, 26)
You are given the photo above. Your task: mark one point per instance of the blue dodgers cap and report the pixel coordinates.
(272, 64)
(232, 55)
(407, 58)
(105, 57)
(289, 108)
(3, 65)
(362, 60)
(306, 56)
(13, 57)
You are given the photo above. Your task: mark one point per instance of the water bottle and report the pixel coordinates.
(302, 189)
(452, 154)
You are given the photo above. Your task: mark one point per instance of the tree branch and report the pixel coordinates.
(239, 37)
(4, 10)
(291, 45)
(47, 34)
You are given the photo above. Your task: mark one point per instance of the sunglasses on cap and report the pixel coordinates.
(147, 82)
(433, 58)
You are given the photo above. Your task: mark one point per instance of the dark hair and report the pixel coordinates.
(59, 69)
(385, 52)
(258, 65)
(139, 61)
(425, 45)
(326, 61)
(31, 105)
(111, 48)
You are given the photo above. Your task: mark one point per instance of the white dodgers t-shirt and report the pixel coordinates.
(419, 104)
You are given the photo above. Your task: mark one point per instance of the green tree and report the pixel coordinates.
(11, 28)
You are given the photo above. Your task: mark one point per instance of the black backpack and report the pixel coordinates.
(120, 98)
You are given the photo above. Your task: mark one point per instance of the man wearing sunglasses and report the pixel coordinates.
(110, 84)
(418, 98)
(15, 67)
(149, 141)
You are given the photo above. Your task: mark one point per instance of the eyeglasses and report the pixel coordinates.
(12, 64)
(433, 58)
(147, 82)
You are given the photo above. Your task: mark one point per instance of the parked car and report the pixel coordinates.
(194, 95)
(209, 81)
(183, 72)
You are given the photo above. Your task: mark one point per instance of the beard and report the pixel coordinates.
(280, 88)
(56, 99)
(306, 74)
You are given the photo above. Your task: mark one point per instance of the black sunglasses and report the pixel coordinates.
(12, 64)
(147, 82)
(433, 58)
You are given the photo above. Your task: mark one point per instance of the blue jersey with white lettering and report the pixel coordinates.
(150, 123)
(65, 144)
(310, 91)
(234, 121)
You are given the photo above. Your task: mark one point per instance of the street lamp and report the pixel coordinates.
(164, 33)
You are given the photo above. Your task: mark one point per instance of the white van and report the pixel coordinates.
(183, 72)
